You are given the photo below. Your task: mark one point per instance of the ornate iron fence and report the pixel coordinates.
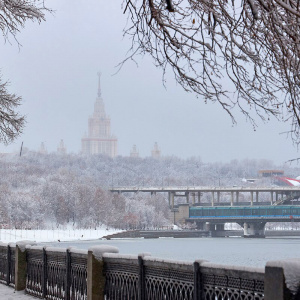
(148, 279)
(122, 278)
(219, 282)
(3, 263)
(35, 272)
(168, 280)
(56, 274)
(11, 262)
(7, 264)
(78, 276)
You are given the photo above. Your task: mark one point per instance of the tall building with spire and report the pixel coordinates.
(155, 153)
(99, 139)
(61, 147)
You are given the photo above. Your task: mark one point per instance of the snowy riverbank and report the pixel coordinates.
(52, 235)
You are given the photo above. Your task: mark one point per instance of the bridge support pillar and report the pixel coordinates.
(212, 198)
(237, 197)
(251, 198)
(199, 197)
(231, 200)
(272, 198)
(172, 196)
(187, 195)
(218, 197)
(276, 196)
(256, 197)
(193, 198)
(254, 230)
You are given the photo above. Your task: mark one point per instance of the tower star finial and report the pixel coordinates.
(99, 87)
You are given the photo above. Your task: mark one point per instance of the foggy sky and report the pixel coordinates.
(55, 73)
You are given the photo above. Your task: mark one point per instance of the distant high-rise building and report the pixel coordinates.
(155, 153)
(99, 139)
(43, 149)
(61, 147)
(134, 152)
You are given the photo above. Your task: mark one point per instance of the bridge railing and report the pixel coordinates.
(56, 273)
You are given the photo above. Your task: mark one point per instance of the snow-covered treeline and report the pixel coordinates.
(38, 189)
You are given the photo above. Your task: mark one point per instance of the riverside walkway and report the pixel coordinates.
(9, 293)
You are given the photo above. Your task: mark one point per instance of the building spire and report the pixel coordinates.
(99, 87)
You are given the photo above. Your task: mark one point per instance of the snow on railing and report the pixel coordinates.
(102, 273)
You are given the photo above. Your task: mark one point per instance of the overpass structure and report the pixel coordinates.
(252, 215)
(193, 195)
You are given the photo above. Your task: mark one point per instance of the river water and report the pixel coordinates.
(229, 251)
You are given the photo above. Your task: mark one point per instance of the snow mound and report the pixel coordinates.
(291, 270)
(99, 250)
(22, 244)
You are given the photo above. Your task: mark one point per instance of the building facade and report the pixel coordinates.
(99, 139)
(155, 153)
(134, 152)
(61, 147)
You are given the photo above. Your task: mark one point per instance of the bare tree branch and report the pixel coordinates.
(11, 123)
(13, 16)
(253, 43)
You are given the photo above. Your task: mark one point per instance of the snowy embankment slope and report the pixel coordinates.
(14, 235)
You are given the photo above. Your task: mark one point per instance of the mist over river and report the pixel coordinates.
(229, 251)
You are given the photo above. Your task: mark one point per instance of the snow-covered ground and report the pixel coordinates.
(9, 293)
(14, 235)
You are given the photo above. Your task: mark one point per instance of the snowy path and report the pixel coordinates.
(8, 293)
(60, 235)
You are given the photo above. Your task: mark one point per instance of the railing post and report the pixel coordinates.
(68, 274)
(141, 283)
(280, 285)
(8, 271)
(44, 279)
(95, 271)
(20, 268)
(197, 284)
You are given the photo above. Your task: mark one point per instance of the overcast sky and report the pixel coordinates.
(55, 72)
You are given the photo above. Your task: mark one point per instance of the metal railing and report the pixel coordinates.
(147, 278)
(55, 274)
(7, 264)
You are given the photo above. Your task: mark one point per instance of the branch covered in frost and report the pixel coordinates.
(11, 123)
(15, 13)
(253, 44)
(13, 16)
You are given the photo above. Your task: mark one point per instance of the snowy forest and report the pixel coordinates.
(42, 190)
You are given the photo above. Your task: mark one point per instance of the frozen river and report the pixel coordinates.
(233, 251)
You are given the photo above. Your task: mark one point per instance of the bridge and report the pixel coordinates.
(252, 215)
(193, 195)
(251, 218)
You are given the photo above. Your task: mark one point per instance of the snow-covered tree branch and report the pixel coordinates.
(253, 44)
(11, 123)
(13, 16)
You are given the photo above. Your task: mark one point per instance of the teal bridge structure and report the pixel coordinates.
(211, 207)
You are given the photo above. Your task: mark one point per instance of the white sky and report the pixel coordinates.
(55, 72)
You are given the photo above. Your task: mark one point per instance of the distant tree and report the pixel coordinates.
(13, 16)
(252, 43)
